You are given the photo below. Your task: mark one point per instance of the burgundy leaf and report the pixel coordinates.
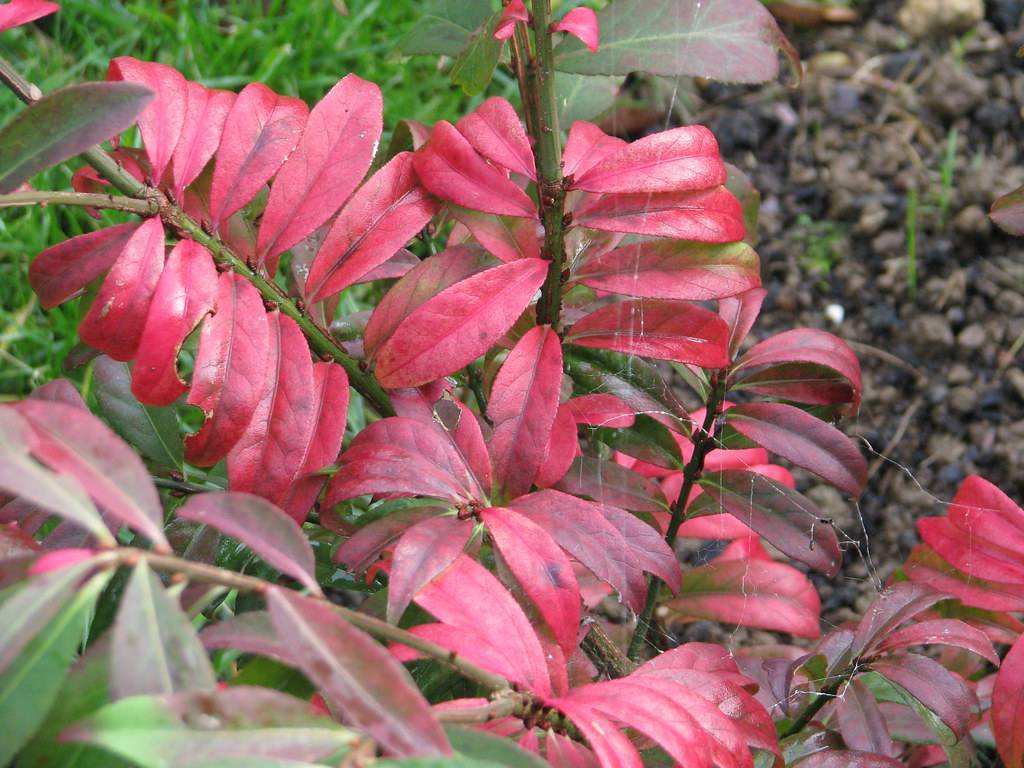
(59, 391)
(493, 129)
(951, 632)
(455, 598)
(450, 168)
(507, 237)
(804, 440)
(454, 327)
(563, 447)
(674, 269)
(664, 330)
(251, 632)
(542, 570)
(386, 212)
(227, 380)
(861, 721)
(581, 23)
(357, 676)
(672, 161)
(895, 606)
(938, 689)
(260, 131)
(845, 758)
(1008, 707)
(206, 112)
(587, 146)
(611, 483)
(115, 321)
(72, 441)
(367, 544)
(331, 158)
(424, 551)
(463, 428)
(162, 121)
(18, 12)
(647, 544)
(707, 215)
(261, 526)
(185, 292)
(61, 271)
(524, 400)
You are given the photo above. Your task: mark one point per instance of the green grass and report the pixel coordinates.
(297, 48)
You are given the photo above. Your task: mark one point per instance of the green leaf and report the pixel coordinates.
(197, 727)
(475, 65)
(445, 27)
(154, 431)
(583, 97)
(156, 647)
(480, 745)
(64, 124)
(731, 40)
(29, 688)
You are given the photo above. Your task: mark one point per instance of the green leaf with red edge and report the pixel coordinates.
(804, 440)
(250, 725)
(357, 676)
(786, 518)
(730, 40)
(63, 124)
(423, 551)
(706, 215)
(454, 327)
(673, 269)
(656, 328)
(1008, 212)
(1007, 718)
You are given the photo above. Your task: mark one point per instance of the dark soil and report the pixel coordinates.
(837, 162)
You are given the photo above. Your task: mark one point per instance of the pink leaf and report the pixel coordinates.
(587, 146)
(804, 440)
(740, 312)
(507, 237)
(952, 632)
(424, 551)
(450, 168)
(367, 544)
(664, 330)
(524, 400)
(1008, 707)
(581, 23)
(260, 131)
(562, 449)
(61, 271)
(455, 597)
(454, 327)
(613, 750)
(58, 561)
(357, 676)
(672, 161)
(228, 375)
(601, 410)
(261, 526)
(672, 269)
(493, 129)
(18, 12)
(542, 570)
(205, 114)
(185, 292)
(925, 566)
(514, 12)
(707, 215)
(161, 122)
(74, 442)
(330, 160)
(386, 212)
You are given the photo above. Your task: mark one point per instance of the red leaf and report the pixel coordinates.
(524, 400)
(939, 690)
(664, 330)
(205, 114)
(804, 440)
(707, 215)
(450, 168)
(357, 676)
(115, 321)
(463, 428)
(72, 441)
(562, 449)
(581, 23)
(1008, 707)
(61, 271)
(386, 212)
(18, 12)
(367, 544)
(406, 457)
(455, 598)
(227, 380)
(162, 120)
(260, 131)
(673, 161)
(424, 551)
(647, 544)
(185, 292)
(454, 327)
(493, 129)
(925, 566)
(601, 410)
(674, 269)
(507, 237)
(951, 632)
(610, 483)
(587, 146)
(613, 750)
(514, 12)
(972, 552)
(330, 160)
(739, 313)
(542, 570)
(895, 606)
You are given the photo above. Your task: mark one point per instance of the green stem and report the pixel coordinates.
(320, 341)
(541, 106)
(703, 442)
(605, 654)
(85, 199)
